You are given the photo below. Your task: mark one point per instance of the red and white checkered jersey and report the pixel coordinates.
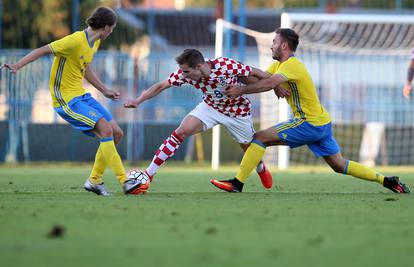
(224, 72)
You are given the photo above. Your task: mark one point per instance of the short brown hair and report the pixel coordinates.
(290, 36)
(191, 57)
(101, 17)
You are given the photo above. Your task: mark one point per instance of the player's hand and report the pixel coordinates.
(282, 92)
(407, 90)
(233, 91)
(12, 67)
(114, 95)
(132, 103)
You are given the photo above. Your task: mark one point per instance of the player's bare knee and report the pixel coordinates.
(338, 167)
(260, 137)
(104, 129)
(265, 140)
(106, 132)
(182, 133)
(118, 134)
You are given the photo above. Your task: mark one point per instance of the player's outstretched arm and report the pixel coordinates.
(261, 86)
(410, 75)
(32, 56)
(154, 90)
(93, 79)
(254, 76)
(259, 74)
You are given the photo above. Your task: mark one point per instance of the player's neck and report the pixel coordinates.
(286, 56)
(205, 70)
(93, 35)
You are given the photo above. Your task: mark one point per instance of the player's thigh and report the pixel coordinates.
(103, 128)
(269, 137)
(206, 115)
(326, 145)
(336, 162)
(190, 125)
(117, 131)
(80, 115)
(297, 132)
(240, 129)
(200, 119)
(106, 126)
(93, 103)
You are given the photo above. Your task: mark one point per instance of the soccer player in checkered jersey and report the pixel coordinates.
(310, 126)
(72, 56)
(211, 77)
(410, 75)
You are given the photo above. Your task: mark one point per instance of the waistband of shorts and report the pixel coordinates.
(248, 114)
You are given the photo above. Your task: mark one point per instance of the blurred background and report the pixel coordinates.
(357, 51)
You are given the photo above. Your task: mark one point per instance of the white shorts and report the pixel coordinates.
(241, 129)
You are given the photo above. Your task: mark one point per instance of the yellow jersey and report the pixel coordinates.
(303, 99)
(73, 54)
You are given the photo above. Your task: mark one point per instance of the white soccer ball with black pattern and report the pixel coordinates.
(139, 175)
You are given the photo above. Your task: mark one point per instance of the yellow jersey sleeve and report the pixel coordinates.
(273, 68)
(289, 70)
(65, 46)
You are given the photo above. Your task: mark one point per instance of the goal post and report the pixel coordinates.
(218, 52)
(275, 156)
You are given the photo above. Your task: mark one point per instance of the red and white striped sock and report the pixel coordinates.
(166, 151)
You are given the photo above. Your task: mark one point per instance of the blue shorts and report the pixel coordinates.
(83, 112)
(298, 132)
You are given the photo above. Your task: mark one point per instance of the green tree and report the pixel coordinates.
(30, 24)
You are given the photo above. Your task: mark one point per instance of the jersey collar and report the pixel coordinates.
(87, 39)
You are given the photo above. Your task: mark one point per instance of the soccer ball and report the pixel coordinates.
(140, 176)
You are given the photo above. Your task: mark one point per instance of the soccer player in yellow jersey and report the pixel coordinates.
(72, 56)
(310, 126)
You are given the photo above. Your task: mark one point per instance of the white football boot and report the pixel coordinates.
(98, 189)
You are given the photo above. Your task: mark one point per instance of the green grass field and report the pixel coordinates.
(311, 218)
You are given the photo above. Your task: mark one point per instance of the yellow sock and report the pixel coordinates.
(112, 158)
(363, 172)
(98, 168)
(251, 159)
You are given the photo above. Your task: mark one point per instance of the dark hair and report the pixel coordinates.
(290, 36)
(101, 17)
(191, 57)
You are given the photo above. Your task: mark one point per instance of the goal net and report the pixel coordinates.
(358, 64)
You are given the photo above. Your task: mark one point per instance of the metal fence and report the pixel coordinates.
(27, 116)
